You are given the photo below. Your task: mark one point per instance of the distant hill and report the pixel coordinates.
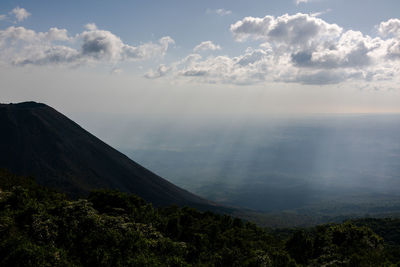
(37, 140)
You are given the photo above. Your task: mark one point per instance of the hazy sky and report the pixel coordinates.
(202, 57)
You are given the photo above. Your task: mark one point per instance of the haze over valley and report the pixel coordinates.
(322, 164)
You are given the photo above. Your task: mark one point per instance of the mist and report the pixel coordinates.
(268, 163)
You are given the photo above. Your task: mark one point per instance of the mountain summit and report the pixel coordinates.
(37, 140)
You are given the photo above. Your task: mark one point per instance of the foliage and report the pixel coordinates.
(40, 227)
(337, 245)
(389, 230)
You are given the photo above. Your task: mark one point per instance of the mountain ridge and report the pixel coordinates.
(40, 141)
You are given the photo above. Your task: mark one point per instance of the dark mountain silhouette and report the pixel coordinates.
(37, 140)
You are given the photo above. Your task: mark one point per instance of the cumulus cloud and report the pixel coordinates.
(219, 11)
(20, 13)
(55, 34)
(91, 26)
(390, 27)
(351, 50)
(299, 48)
(207, 45)
(393, 50)
(21, 46)
(299, 30)
(148, 50)
(11, 36)
(248, 68)
(101, 44)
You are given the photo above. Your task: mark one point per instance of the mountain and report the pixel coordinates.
(37, 140)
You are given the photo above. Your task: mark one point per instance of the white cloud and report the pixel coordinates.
(219, 11)
(55, 34)
(393, 49)
(91, 26)
(21, 46)
(20, 13)
(390, 27)
(299, 30)
(207, 45)
(301, 49)
(223, 12)
(249, 68)
(351, 50)
(147, 50)
(318, 14)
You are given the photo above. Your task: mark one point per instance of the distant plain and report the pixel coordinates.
(312, 165)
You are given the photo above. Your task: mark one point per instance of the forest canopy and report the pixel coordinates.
(42, 227)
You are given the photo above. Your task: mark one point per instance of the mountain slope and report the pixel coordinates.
(37, 140)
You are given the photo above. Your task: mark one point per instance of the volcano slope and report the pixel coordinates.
(37, 140)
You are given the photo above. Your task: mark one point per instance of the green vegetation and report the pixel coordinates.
(40, 227)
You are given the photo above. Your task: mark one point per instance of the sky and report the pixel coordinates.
(204, 57)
